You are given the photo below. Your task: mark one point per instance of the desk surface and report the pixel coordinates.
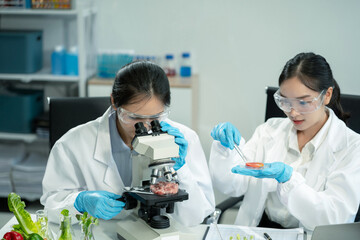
(107, 230)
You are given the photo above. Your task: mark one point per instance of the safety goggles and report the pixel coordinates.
(302, 106)
(132, 118)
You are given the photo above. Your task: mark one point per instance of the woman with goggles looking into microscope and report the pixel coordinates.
(90, 165)
(311, 161)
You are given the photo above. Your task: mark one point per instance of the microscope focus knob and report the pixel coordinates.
(143, 214)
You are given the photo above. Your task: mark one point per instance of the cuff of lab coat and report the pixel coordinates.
(54, 213)
(284, 189)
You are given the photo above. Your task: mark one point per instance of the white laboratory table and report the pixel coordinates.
(108, 230)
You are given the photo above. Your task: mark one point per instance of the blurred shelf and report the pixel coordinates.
(42, 75)
(19, 11)
(176, 81)
(26, 137)
(84, 13)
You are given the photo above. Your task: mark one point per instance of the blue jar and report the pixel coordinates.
(185, 67)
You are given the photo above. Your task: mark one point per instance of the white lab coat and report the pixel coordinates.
(328, 194)
(82, 160)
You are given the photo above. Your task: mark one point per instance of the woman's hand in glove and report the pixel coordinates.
(227, 134)
(179, 140)
(278, 170)
(99, 204)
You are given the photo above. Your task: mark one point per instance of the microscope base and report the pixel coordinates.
(134, 228)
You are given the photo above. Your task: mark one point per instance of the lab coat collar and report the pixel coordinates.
(336, 132)
(315, 142)
(319, 138)
(103, 154)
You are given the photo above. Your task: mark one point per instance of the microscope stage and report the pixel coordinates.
(154, 200)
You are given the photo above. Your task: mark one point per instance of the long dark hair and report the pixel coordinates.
(138, 79)
(315, 73)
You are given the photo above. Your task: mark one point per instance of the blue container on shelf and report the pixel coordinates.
(110, 61)
(21, 51)
(58, 60)
(18, 109)
(71, 62)
(27, 3)
(185, 68)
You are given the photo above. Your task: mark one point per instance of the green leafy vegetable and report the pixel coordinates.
(86, 221)
(65, 226)
(23, 217)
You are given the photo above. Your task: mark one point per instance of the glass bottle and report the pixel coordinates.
(66, 231)
(87, 223)
(169, 67)
(42, 219)
(87, 232)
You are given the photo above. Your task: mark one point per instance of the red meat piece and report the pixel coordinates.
(165, 188)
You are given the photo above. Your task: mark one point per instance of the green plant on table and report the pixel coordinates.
(87, 222)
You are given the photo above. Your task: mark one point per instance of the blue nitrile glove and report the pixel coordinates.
(227, 134)
(99, 204)
(179, 140)
(278, 170)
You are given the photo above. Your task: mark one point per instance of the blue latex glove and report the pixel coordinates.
(278, 170)
(179, 140)
(227, 134)
(99, 204)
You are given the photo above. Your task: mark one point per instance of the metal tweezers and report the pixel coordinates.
(240, 153)
(138, 190)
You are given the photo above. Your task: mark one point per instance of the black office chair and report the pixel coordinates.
(68, 112)
(350, 103)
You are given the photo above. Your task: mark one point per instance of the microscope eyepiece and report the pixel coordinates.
(155, 126)
(140, 129)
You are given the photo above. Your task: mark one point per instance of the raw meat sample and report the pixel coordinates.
(165, 188)
(255, 165)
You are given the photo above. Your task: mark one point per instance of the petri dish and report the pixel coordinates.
(254, 165)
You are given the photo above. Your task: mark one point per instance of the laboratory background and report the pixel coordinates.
(235, 48)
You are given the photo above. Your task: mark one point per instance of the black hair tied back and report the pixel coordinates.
(315, 73)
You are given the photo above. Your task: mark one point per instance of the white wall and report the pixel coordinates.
(239, 47)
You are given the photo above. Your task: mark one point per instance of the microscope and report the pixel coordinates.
(159, 147)
(153, 163)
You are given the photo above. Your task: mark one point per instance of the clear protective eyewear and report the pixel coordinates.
(302, 106)
(131, 118)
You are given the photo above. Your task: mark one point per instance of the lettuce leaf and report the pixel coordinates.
(23, 217)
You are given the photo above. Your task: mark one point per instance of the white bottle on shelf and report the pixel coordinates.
(169, 67)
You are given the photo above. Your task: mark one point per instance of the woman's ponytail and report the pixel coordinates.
(335, 104)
